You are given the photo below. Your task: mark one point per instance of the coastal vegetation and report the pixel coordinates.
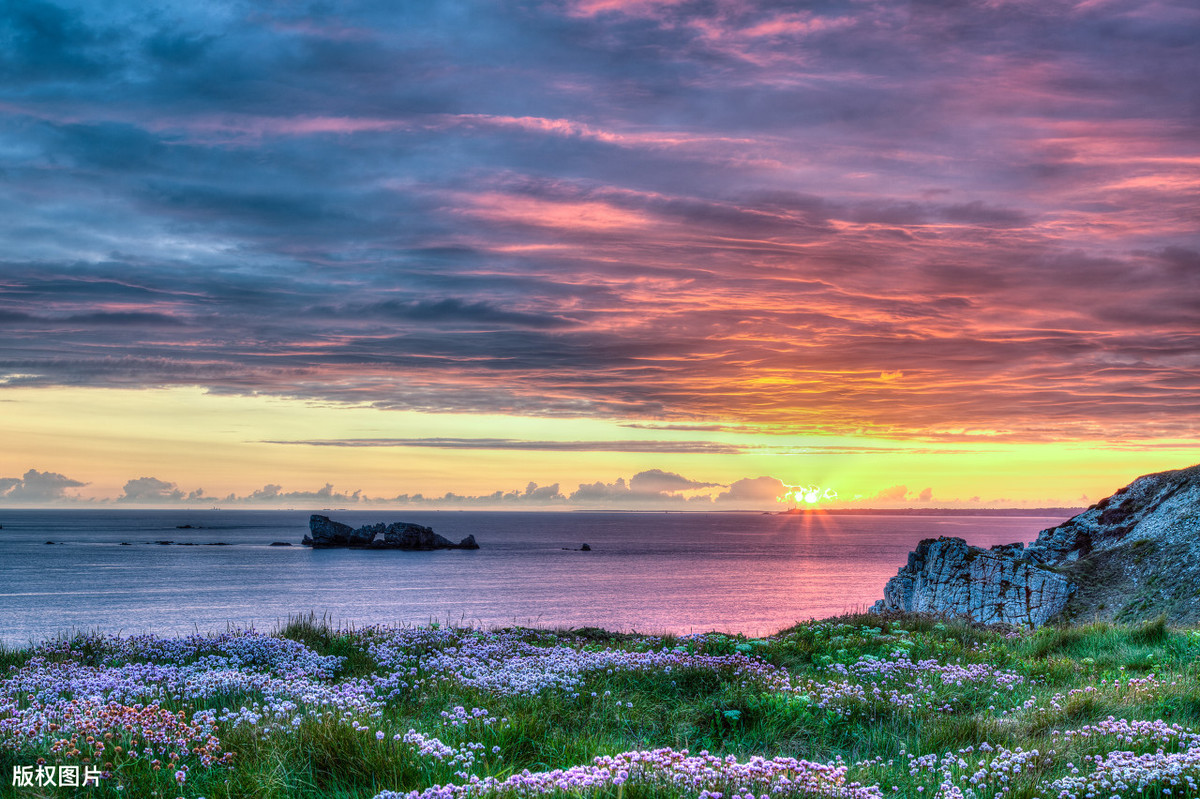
(861, 706)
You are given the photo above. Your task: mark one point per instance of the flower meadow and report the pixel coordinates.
(859, 707)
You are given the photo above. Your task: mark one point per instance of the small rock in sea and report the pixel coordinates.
(585, 548)
(48, 543)
(164, 543)
(126, 544)
(280, 544)
(185, 527)
(217, 544)
(326, 533)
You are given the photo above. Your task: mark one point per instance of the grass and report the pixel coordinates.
(320, 635)
(1066, 679)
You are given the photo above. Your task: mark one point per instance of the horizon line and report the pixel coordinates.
(785, 512)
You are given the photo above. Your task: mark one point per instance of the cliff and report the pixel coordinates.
(946, 576)
(1132, 556)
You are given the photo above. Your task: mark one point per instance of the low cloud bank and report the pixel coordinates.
(652, 489)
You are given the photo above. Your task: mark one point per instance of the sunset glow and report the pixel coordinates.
(613, 253)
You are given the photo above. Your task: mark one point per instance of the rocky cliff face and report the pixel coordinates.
(947, 577)
(1132, 556)
(324, 533)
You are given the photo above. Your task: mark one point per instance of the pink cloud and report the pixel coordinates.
(259, 126)
(591, 8)
(589, 216)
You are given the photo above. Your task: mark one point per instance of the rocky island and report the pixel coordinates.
(1130, 557)
(324, 533)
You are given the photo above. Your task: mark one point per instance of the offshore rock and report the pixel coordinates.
(405, 535)
(326, 533)
(363, 536)
(1131, 557)
(946, 576)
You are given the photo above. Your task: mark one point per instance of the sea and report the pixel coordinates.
(680, 573)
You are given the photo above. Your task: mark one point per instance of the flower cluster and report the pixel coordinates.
(166, 703)
(993, 771)
(984, 771)
(1127, 689)
(50, 682)
(1122, 773)
(900, 668)
(508, 664)
(710, 777)
(461, 757)
(236, 649)
(901, 683)
(459, 716)
(1135, 734)
(108, 732)
(108, 699)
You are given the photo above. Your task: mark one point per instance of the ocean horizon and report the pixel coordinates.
(651, 572)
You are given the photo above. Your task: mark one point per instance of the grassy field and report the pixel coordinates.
(853, 707)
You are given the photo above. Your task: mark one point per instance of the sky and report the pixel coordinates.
(691, 254)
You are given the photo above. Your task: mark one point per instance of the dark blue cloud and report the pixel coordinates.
(45, 42)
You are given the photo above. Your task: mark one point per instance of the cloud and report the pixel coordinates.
(36, 487)
(715, 216)
(454, 311)
(272, 494)
(893, 494)
(151, 490)
(696, 428)
(602, 492)
(658, 481)
(708, 447)
(536, 494)
(651, 489)
(647, 489)
(976, 213)
(47, 42)
(156, 492)
(620, 493)
(754, 491)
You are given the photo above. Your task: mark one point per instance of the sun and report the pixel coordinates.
(810, 495)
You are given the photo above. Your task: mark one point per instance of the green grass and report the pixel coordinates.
(12, 658)
(1072, 676)
(320, 635)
